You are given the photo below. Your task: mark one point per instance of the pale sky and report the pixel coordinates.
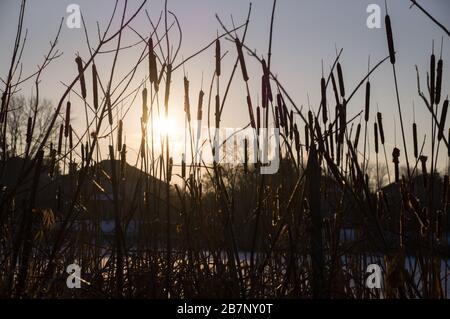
(305, 32)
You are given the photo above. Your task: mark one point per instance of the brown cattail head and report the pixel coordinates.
(258, 119)
(200, 106)
(123, 160)
(266, 78)
(119, 135)
(358, 132)
(144, 105)
(264, 92)
(217, 111)
(367, 104)
(81, 75)
(296, 138)
(439, 81)
(187, 106)
(67, 123)
(250, 111)
(183, 166)
(241, 59)
(245, 155)
(395, 159)
(70, 137)
(291, 124)
(307, 137)
(152, 66)
(380, 127)
(390, 38)
(218, 56)
(416, 149)
(323, 88)
(432, 78)
(109, 108)
(341, 80)
(61, 132)
(95, 86)
(375, 128)
(443, 118)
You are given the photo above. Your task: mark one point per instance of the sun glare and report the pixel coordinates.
(164, 126)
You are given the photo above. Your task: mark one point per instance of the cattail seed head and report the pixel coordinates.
(187, 106)
(416, 149)
(218, 56)
(358, 132)
(200, 105)
(380, 127)
(250, 111)
(95, 86)
(443, 119)
(167, 92)
(67, 123)
(81, 76)
(119, 135)
(335, 90)
(144, 106)
(241, 59)
(439, 81)
(432, 78)
(375, 127)
(61, 132)
(324, 100)
(367, 104)
(153, 71)
(390, 38)
(341, 80)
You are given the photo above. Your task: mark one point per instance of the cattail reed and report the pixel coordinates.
(307, 137)
(291, 125)
(123, 160)
(152, 66)
(217, 111)
(258, 119)
(187, 107)
(443, 118)
(432, 77)
(67, 123)
(109, 108)
(266, 80)
(297, 139)
(250, 112)
(183, 166)
(218, 56)
(375, 128)
(200, 105)
(358, 132)
(439, 81)
(241, 59)
(395, 156)
(70, 137)
(416, 149)
(341, 80)
(144, 105)
(380, 127)
(390, 38)
(324, 100)
(367, 104)
(95, 86)
(81, 75)
(448, 140)
(119, 135)
(280, 103)
(61, 133)
(264, 92)
(82, 155)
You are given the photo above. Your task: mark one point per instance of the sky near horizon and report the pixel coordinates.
(305, 33)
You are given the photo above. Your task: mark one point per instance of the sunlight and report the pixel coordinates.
(164, 126)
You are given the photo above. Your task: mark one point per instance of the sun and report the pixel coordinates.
(164, 126)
